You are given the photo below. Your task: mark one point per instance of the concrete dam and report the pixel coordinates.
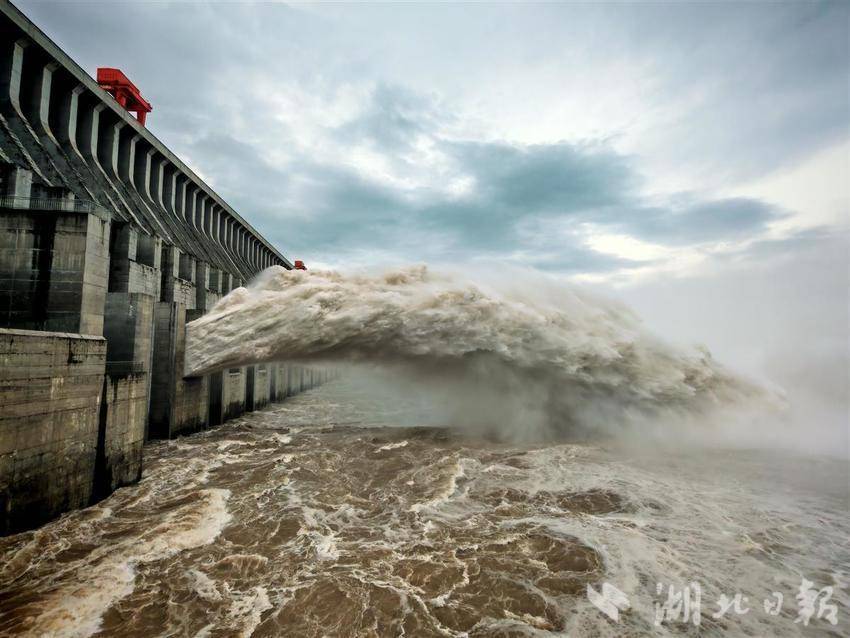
(109, 245)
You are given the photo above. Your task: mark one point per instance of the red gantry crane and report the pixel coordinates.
(125, 92)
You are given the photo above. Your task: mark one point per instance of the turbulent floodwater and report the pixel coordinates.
(529, 359)
(321, 517)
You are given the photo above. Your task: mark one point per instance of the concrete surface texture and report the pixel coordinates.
(50, 390)
(109, 245)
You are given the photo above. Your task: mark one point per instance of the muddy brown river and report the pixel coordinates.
(323, 516)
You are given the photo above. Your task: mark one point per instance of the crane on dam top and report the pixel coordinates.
(126, 93)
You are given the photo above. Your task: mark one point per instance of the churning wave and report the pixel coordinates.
(550, 363)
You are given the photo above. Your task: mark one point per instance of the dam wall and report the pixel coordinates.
(50, 389)
(109, 246)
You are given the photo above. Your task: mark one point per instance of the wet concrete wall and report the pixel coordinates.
(128, 329)
(233, 392)
(109, 245)
(261, 386)
(53, 271)
(122, 436)
(178, 403)
(50, 390)
(73, 423)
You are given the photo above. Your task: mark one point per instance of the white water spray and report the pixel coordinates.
(569, 360)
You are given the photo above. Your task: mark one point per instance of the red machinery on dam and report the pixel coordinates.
(114, 82)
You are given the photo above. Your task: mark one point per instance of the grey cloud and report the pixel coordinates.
(761, 85)
(558, 177)
(394, 119)
(340, 211)
(721, 219)
(702, 221)
(809, 241)
(776, 88)
(755, 86)
(235, 163)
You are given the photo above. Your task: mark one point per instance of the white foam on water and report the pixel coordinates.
(205, 631)
(77, 610)
(109, 573)
(229, 443)
(205, 586)
(322, 539)
(246, 610)
(392, 446)
(449, 490)
(325, 545)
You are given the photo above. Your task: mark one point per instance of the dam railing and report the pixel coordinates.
(59, 204)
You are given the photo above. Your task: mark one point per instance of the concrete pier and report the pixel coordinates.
(109, 246)
(51, 385)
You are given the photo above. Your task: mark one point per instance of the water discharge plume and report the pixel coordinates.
(554, 362)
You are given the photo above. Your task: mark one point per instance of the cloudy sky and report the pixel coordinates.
(691, 159)
(602, 142)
